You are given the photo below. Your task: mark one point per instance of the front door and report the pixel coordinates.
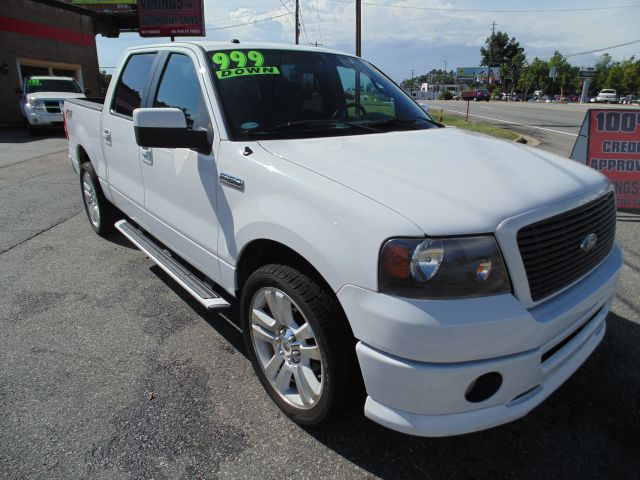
(181, 184)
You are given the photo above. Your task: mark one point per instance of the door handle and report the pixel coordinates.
(106, 134)
(147, 155)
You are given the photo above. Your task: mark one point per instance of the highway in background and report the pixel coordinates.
(555, 125)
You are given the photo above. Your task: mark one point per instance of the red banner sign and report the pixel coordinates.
(171, 18)
(614, 150)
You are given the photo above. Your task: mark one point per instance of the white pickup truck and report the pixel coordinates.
(461, 278)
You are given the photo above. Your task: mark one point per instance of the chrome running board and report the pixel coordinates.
(187, 280)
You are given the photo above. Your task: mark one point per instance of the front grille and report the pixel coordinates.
(551, 249)
(52, 106)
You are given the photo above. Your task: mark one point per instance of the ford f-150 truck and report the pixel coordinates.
(461, 279)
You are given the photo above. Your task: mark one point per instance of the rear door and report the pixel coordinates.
(181, 184)
(121, 151)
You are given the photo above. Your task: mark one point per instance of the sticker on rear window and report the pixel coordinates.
(225, 70)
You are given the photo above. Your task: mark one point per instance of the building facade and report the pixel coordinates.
(44, 37)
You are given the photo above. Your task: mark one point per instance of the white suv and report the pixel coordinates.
(42, 99)
(608, 95)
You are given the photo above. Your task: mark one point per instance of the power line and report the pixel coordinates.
(250, 23)
(601, 49)
(465, 10)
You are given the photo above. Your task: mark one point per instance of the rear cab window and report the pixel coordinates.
(130, 88)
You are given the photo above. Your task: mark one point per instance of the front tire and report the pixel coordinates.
(100, 213)
(299, 343)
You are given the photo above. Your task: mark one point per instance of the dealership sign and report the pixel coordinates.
(171, 18)
(477, 73)
(609, 141)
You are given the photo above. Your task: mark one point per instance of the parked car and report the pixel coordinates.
(628, 100)
(607, 95)
(570, 97)
(461, 277)
(476, 95)
(42, 98)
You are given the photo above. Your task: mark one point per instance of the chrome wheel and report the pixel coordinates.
(286, 348)
(91, 199)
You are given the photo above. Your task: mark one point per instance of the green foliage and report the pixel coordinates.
(105, 79)
(434, 76)
(517, 74)
(446, 95)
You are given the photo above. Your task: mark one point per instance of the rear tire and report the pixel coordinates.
(100, 212)
(299, 343)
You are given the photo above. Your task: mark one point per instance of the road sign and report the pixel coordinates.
(587, 72)
(609, 141)
(177, 18)
(553, 72)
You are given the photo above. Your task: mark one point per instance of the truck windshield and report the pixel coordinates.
(35, 85)
(290, 94)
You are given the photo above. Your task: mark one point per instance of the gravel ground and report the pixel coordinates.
(108, 370)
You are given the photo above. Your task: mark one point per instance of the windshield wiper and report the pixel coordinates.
(319, 122)
(404, 122)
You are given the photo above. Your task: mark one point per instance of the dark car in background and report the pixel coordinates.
(476, 95)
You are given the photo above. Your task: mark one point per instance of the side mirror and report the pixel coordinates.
(87, 91)
(167, 128)
(18, 90)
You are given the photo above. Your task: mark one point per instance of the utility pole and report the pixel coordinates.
(297, 22)
(411, 88)
(358, 28)
(493, 33)
(445, 67)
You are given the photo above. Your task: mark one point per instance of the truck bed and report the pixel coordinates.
(94, 103)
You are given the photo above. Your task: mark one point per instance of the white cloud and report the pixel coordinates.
(398, 39)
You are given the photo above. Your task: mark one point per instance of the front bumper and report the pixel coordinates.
(419, 358)
(41, 118)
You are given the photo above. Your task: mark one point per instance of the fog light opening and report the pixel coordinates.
(483, 387)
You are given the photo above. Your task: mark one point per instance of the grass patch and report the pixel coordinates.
(458, 121)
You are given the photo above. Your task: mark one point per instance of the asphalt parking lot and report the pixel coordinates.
(108, 370)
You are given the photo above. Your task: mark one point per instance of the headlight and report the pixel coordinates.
(36, 104)
(439, 268)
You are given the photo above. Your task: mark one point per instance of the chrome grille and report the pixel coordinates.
(52, 106)
(551, 249)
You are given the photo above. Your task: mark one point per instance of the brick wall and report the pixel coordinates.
(41, 32)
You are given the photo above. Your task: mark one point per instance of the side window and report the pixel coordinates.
(179, 88)
(128, 93)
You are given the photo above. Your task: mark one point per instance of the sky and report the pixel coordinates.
(401, 35)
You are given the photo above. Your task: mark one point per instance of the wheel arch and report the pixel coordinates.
(263, 251)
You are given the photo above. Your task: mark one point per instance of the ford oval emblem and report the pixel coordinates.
(589, 242)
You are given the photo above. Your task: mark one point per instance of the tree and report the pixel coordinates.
(565, 73)
(506, 54)
(105, 79)
(534, 76)
(433, 76)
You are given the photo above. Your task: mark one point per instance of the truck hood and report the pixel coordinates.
(447, 181)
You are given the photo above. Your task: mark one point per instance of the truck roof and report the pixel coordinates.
(229, 45)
